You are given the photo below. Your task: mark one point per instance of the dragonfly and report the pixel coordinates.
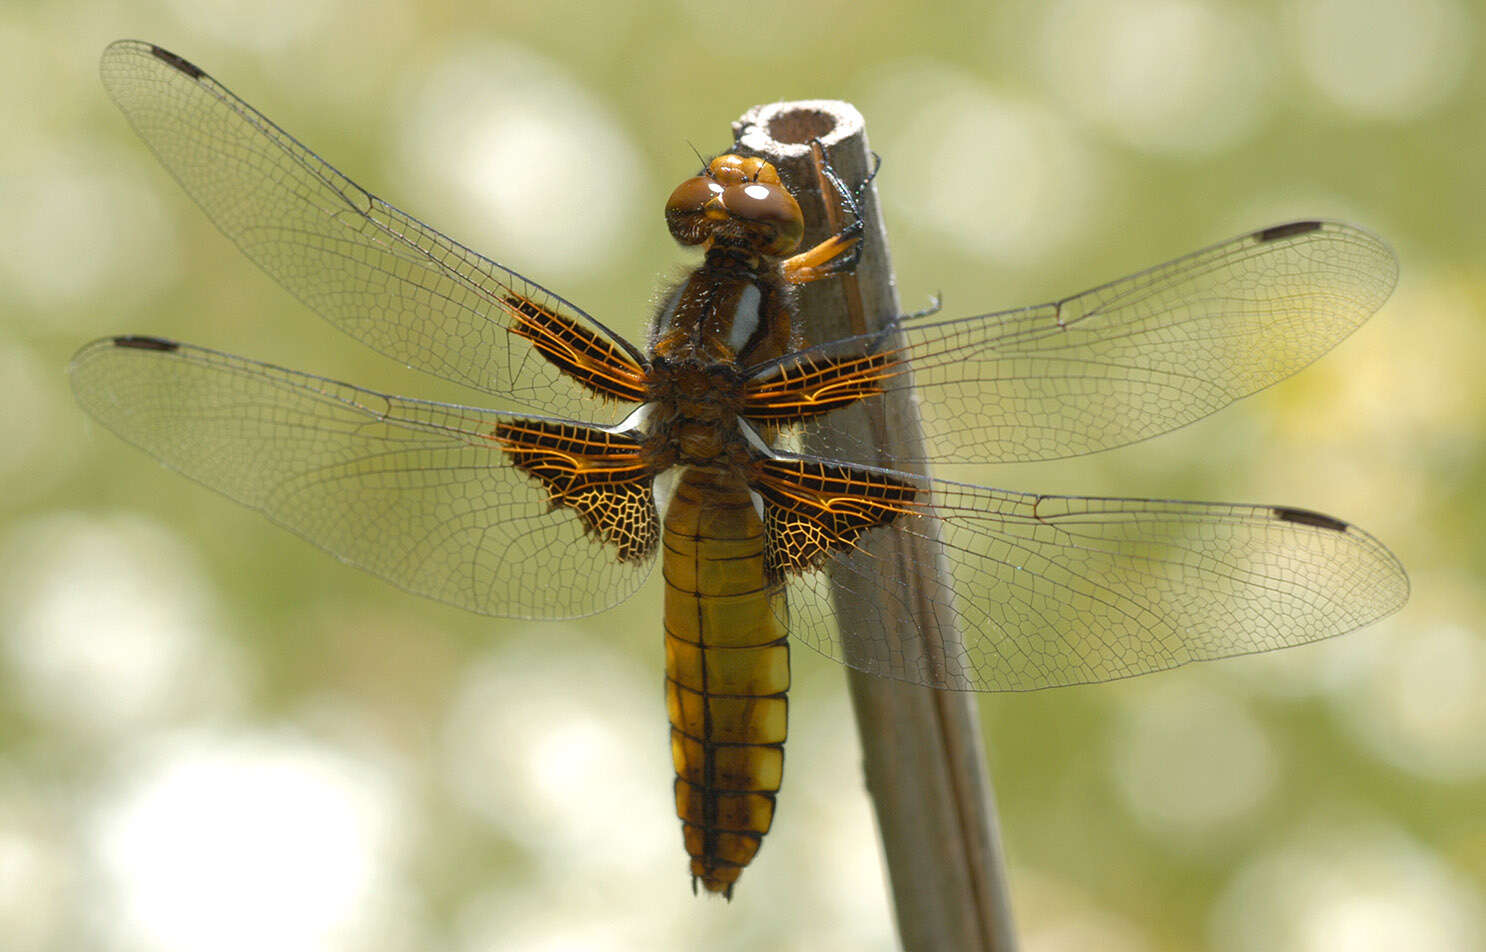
(600, 457)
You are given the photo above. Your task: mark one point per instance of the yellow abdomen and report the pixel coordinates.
(727, 671)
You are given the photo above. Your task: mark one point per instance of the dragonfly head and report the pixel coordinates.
(738, 199)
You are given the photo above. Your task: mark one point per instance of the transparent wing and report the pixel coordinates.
(377, 273)
(1128, 360)
(1055, 590)
(418, 493)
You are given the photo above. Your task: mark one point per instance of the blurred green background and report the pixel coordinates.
(214, 736)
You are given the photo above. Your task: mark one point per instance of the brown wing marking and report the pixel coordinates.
(598, 474)
(577, 351)
(817, 384)
(813, 509)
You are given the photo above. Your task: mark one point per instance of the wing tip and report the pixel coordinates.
(1288, 230)
(1307, 517)
(145, 342)
(179, 63)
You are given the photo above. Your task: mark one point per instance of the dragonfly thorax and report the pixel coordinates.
(724, 315)
(697, 409)
(733, 312)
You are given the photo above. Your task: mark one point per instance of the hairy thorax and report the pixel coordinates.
(696, 413)
(729, 315)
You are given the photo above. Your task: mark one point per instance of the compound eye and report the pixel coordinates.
(770, 207)
(692, 194)
(686, 209)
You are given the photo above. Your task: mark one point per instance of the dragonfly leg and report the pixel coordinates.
(839, 253)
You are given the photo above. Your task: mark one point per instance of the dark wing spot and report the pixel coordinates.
(185, 66)
(1307, 518)
(146, 343)
(1288, 230)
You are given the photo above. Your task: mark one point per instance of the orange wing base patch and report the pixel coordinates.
(580, 353)
(813, 509)
(597, 474)
(814, 385)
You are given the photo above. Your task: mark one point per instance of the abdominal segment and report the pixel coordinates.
(727, 671)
